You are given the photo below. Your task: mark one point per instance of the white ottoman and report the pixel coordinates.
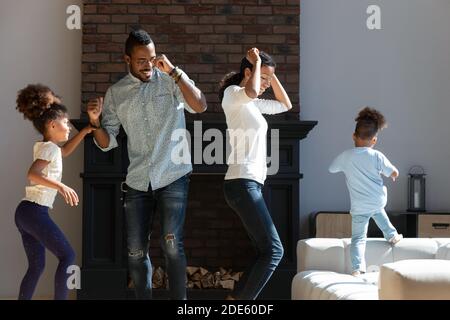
(420, 279)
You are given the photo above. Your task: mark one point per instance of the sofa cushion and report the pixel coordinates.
(415, 248)
(443, 252)
(327, 285)
(334, 254)
(321, 254)
(422, 279)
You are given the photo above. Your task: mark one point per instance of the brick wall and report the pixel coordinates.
(207, 38)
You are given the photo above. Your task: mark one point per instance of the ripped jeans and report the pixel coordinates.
(140, 207)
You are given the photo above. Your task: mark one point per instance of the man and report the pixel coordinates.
(149, 103)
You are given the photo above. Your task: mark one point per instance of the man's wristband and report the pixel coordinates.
(176, 74)
(175, 69)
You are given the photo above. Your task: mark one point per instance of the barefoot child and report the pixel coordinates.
(363, 167)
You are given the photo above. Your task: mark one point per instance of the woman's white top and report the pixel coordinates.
(40, 194)
(247, 130)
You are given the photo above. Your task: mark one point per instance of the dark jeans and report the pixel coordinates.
(245, 198)
(140, 208)
(38, 232)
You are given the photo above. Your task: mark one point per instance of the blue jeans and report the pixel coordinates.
(245, 198)
(140, 208)
(39, 232)
(360, 223)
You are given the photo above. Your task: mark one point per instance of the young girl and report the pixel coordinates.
(247, 166)
(363, 167)
(40, 105)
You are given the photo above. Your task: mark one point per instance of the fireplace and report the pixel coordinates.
(214, 236)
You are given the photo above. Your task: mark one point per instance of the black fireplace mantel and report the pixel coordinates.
(289, 126)
(104, 259)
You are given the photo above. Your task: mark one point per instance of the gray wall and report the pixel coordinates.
(35, 47)
(403, 70)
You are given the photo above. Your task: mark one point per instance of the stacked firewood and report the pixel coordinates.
(201, 278)
(160, 279)
(198, 278)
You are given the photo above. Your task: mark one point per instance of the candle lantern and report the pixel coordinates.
(416, 189)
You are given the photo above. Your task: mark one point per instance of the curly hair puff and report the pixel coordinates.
(40, 105)
(368, 123)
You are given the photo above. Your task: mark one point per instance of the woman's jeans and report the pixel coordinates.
(360, 223)
(245, 197)
(39, 232)
(140, 208)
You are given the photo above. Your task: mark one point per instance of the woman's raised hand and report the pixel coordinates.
(253, 56)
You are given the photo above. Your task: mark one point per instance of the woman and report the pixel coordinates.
(247, 166)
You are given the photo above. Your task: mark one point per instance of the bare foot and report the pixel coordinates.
(396, 239)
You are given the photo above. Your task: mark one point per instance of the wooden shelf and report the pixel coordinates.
(433, 225)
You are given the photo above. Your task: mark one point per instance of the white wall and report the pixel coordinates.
(403, 70)
(35, 46)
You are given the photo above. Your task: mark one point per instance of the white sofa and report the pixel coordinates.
(323, 270)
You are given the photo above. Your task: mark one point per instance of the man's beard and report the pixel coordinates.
(143, 75)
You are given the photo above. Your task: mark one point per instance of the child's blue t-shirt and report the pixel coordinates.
(363, 167)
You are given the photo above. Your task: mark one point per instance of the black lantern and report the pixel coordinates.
(416, 189)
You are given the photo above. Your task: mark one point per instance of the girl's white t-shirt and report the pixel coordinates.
(40, 194)
(247, 131)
